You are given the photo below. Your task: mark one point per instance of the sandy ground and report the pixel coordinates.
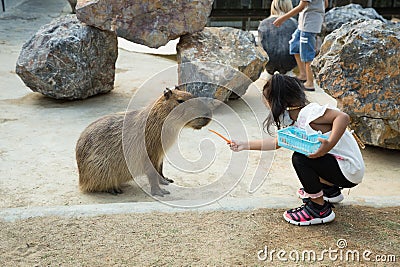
(38, 169)
(203, 239)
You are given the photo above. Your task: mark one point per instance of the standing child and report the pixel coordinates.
(337, 163)
(303, 42)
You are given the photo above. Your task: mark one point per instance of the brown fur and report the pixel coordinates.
(148, 133)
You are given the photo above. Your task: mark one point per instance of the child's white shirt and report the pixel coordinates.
(346, 151)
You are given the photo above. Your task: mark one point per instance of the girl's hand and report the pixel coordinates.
(322, 150)
(279, 21)
(238, 145)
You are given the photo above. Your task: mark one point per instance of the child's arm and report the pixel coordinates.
(262, 144)
(278, 22)
(339, 121)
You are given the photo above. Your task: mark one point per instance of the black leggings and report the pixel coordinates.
(310, 170)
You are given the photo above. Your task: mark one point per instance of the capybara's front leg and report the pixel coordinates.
(115, 191)
(154, 178)
(163, 180)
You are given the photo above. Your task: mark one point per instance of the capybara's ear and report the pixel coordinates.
(167, 93)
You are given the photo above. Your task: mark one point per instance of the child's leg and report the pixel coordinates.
(302, 68)
(310, 78)
(294, 49)
(307, 54)
(310, 171)
(325, 182)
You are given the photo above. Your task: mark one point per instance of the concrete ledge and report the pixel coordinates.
(226, 204)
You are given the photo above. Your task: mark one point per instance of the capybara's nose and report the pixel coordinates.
(204, 121)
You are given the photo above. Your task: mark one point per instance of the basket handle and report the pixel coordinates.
(358, 140)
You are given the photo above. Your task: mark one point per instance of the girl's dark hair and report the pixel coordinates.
(280, 92)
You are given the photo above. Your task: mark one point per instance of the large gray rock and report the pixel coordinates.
(66, 59)
(359, 66)
(217, 61)
(338, 16)
(275, 41)
(152, 23)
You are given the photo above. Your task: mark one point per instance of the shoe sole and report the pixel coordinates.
(315, 221)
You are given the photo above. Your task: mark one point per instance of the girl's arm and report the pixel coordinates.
(262, 144)
(278, 22)
(338, 121)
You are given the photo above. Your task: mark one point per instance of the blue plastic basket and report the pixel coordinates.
(296, 139)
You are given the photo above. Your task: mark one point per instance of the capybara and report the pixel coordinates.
(118, 146)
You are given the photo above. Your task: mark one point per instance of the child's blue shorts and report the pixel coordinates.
(303, 43)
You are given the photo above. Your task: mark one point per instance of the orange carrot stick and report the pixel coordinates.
(220, 135)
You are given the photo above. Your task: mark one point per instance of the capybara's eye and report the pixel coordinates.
(180, 101)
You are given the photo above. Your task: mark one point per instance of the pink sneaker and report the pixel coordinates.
(308, 214)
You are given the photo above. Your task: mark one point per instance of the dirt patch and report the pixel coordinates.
(198, 238)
